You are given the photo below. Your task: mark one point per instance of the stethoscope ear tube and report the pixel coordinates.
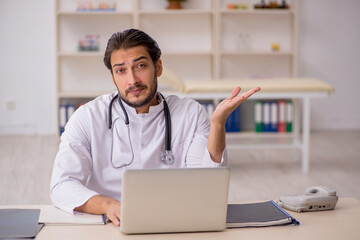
(167, 124)
(122, 107)
(110, 111)
(125, 113)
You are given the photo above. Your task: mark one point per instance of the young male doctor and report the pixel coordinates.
(134, 127)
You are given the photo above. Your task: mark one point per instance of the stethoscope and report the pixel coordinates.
(166, 156)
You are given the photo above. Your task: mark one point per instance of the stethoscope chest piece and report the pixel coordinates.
(167, 158)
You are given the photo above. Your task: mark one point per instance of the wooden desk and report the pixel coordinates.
(342, 223)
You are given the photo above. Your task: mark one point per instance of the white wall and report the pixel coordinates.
(329, 49)
(329, 38)
(27, 67)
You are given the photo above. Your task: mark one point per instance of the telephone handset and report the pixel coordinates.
(314, 199)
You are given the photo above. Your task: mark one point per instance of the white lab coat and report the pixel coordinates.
(83, 166)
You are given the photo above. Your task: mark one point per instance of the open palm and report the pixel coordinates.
(227, 106)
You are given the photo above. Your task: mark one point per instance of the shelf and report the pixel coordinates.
(258, 11)
(264, 140)
(186, 53)
(92, 13)
(258, 146)
(164, 53)
(264, 136)
(81, 54)
(255, 52)
(76, 95)
(179, 12)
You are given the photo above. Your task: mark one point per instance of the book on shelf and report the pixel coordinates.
(289, 116)
(266, 116)
(273, 116)
(233, 122)
(259, 124)
(281, 120)
(65, 112)
(62, 118)
(261, 214)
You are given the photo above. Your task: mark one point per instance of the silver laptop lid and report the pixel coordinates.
(174, 200)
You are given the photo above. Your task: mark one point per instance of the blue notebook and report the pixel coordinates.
(260, 214)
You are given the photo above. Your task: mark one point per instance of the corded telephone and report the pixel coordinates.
(314, 199)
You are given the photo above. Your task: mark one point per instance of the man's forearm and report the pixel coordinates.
(95, 205)
(216, 141)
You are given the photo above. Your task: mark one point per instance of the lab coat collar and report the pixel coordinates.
(118, 112)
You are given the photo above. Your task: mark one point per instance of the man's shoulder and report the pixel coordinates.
(95, 108)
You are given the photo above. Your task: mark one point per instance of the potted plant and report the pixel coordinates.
(175, 4)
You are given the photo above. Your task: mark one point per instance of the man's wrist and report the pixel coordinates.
(106, 202)
(218, 123)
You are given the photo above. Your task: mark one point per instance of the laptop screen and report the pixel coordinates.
(174, 200)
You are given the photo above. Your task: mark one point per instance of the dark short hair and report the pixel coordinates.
(128, 39)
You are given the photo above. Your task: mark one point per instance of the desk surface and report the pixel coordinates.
(342, 223)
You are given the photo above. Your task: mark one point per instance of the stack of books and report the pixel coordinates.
(273, 116)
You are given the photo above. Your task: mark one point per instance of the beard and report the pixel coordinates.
(146, 100)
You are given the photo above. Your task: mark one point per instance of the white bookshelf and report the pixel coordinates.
(200, 41)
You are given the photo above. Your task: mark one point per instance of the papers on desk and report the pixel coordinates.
(257, 215)
(51, 215)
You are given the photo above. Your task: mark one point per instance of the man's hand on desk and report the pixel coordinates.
(102, 205)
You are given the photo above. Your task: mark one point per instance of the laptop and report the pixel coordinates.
(174, 200)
